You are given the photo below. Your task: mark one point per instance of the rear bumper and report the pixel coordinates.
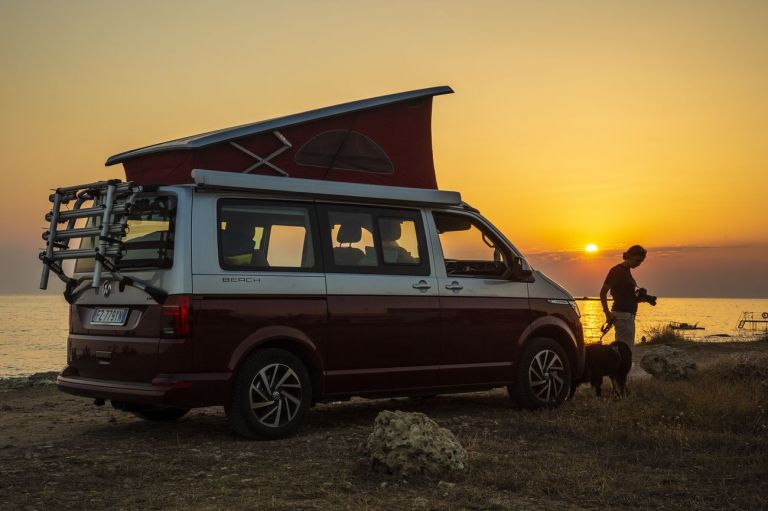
(179, 390)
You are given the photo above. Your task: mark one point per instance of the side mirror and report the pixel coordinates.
(517, 273)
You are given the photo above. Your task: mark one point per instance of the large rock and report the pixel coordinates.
(408, 444)
(668, 363)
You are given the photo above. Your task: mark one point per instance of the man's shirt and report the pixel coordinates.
(622, 286)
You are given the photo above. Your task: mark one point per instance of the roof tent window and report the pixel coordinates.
(344, 150)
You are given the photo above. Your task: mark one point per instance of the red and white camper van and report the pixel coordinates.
(318, 261)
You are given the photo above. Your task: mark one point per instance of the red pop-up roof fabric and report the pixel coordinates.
(387, 145)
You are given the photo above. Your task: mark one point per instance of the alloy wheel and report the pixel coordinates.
(275, 395)
(546, 376)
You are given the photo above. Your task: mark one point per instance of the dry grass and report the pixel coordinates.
(700, 444)
(663, 334)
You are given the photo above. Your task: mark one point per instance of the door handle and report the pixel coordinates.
(454, 286)
(422, 284)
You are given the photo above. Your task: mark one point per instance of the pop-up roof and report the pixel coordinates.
(385, 140)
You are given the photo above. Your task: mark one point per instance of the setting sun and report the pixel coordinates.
(591, 248)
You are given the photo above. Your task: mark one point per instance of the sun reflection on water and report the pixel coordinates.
(718, 316)
(592, 318)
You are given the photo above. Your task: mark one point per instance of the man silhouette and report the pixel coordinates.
(621, 284)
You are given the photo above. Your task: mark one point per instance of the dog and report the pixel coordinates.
(613, 360)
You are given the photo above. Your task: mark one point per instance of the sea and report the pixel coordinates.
(33, 328)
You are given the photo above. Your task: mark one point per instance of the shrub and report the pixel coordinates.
(664, 334)
(744, 367)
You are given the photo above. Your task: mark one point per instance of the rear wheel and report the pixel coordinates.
(271, 395)
(543, 377)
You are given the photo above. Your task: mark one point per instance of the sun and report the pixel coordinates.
(591, 248)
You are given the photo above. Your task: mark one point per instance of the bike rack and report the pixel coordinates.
(111, 204)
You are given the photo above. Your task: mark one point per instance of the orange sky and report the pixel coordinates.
(573, 122)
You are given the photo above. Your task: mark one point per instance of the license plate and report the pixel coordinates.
(114, 317)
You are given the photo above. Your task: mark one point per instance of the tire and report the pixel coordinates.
(543, 375)
(270, 396)
(161, 414)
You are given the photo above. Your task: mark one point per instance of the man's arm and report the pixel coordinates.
(604, 300)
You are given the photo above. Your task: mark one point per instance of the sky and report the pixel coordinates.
(611, 123)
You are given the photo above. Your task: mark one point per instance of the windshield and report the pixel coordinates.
(148, 241)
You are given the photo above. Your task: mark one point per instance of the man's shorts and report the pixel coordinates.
(624, 323)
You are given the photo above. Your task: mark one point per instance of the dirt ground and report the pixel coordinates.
(667, 446)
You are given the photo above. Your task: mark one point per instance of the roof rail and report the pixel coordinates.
(323, 189)
(111, 204)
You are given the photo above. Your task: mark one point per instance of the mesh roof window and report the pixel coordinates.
(344, 150)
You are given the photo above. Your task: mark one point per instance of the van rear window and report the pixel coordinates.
(148, 239)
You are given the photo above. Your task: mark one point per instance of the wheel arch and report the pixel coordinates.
(558, 330)
(285, 338)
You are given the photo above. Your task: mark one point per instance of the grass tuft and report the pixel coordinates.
(743, 367)
(664, 334)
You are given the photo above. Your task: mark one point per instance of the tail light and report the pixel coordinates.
(177, 317)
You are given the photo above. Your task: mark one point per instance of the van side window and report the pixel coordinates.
(469, 248)
(352, 235)
(375, 240)
(399, 244)
(258, 236)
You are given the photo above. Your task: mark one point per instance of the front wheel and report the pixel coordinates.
(543, 375)
(271, 395)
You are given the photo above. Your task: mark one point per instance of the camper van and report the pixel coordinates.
(266, 294)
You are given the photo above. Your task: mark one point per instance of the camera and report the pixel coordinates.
(643, 296)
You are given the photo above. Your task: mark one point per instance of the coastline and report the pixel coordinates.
(33, 329)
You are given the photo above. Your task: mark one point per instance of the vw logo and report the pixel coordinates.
(107, 288)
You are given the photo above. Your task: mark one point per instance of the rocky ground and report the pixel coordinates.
(699, 444)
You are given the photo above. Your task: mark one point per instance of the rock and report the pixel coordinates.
(420, 503)
(33, 380)
(408, 444)
(46, 378)
(668, 363)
